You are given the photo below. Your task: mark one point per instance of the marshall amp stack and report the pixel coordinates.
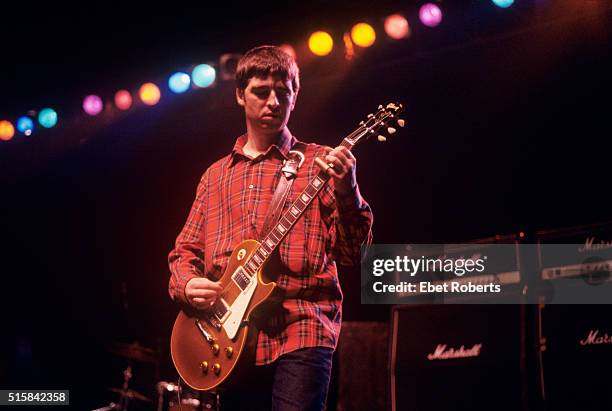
(455, 356)
(536, 356)
(575, 341)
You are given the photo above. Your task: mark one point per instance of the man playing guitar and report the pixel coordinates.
(297, 334)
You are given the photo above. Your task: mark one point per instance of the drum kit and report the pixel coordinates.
(171, 396)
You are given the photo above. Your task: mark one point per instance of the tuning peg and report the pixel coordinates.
(382, 139)
(370, 115)
(391, 130)
(380, 107)
(361, 123)
(401, 122)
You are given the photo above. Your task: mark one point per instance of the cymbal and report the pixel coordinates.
(134, 351)
(131, 394)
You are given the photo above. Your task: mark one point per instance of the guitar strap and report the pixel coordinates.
(291, 165)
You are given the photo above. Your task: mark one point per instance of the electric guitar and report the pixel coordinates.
(209, 347)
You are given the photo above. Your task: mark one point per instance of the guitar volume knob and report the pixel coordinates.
(217, 368)
(229, 351)
(204, 366)
(216, 349)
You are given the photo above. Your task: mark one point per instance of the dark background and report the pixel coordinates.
(508, 121)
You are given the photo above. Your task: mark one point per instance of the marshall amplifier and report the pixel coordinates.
(576, 340)
(575, 264)
(457, 357)
(576, 355)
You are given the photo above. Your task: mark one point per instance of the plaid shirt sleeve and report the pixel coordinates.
(353, 222)
(186, 260)
(354, 227)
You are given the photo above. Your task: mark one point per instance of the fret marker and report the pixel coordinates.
(257, 259)
(281, 228)
(294, 211)
(316, 182)
(270, 243)
(263, 251)
(305, 197)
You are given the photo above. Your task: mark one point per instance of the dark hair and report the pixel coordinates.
(265, 60)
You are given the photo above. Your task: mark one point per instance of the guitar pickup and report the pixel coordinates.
(241, 278)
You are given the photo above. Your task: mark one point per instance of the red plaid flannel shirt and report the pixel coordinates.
(231, 203)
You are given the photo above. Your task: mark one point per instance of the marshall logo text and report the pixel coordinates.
(442, 353)
(590, 245)
(595, 339)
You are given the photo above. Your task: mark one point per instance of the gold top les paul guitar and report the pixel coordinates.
(209, 347)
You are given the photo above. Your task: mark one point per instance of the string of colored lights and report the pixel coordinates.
(320, 43)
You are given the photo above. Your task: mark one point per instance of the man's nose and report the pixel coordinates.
(273, 100)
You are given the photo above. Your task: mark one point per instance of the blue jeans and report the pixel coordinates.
(298, 380)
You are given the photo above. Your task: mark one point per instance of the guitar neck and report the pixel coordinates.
(286, 222)
(271, 241)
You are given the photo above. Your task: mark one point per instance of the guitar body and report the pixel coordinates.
(202, 351)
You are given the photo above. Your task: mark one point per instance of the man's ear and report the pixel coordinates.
(240, 96)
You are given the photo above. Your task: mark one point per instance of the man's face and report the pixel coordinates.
(267, 102)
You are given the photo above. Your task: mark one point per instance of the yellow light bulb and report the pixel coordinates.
(320, 43)
(149, 94)
(363, 34)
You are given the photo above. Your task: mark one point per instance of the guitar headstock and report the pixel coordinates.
(380, 124)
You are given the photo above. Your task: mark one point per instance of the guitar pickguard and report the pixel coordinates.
(238, 308)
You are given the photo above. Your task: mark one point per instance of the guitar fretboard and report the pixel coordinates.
(272, 240)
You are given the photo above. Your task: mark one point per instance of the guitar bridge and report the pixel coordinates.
(220, 312)
(214, 322)
(209, 338)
